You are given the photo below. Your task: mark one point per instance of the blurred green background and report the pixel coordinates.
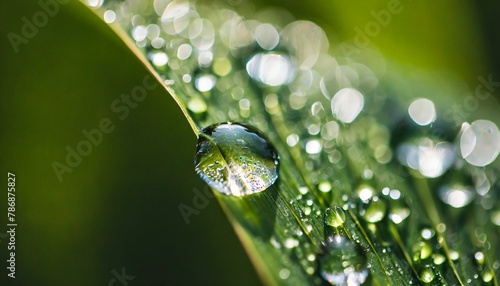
(119, 207)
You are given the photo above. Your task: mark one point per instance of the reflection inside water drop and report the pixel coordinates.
(236, 159)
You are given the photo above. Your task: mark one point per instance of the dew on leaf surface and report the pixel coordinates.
(236, 159)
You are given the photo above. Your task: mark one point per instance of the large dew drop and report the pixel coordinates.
(343, 263)
(236, 159)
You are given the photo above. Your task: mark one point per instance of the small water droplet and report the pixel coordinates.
(272, 69)
(372, 210)
(430, 157)
(197, 106)
(313, 146)
(398, 214)
(158, 59)
(284, 273)
(428, 274)
(325, 186)
(205, 82)
(438, 259)
(454, 255)
(184, 51)
(365, 192)
(267, 36)
(334, 216)
(441, 227)
(291, 243)
(421, 251)
(343, 262)
(479, 256)
(347, 103)
(487, 275)
(367, 174)
(495, 217)
(248, 162)
(307, 40)
(427, 233)
(422, 111)
(456, 195)
(109, 16)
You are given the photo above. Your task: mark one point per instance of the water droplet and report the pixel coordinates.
(398, 213)
(479, 256)
(334, 216)
(372, 210)
(421, 251)
(272, 69)
(441, 227)
(343, 262)
(488, 275)
(205, 82)
(248, 162)
(95, 3)
(291, 243)
(480, 142)
(267, 36)
(184, 51)
(422, 111)
(313, 146)
(428, 274)
(495, 217)
(139, 33)
(427, 233)
(292, 140)
(201, 34)
(175, 17)
(365, 192)
(197, 106)
(222, 66)
(456, 195)
(325, 186)
(284, 273)
(429, 157)
(109, 16)
(158, 59)
(367, 174)
(307, 40)
(347, 103)
(438, 259)
(330, 130)
(454, 255)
